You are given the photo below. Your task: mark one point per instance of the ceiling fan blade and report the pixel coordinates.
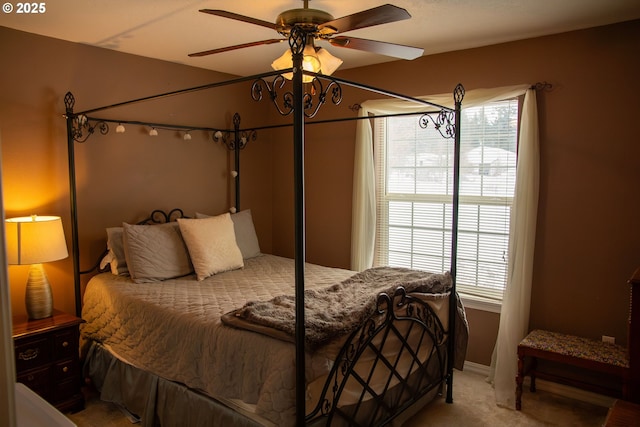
(238, 46)
(383, 48)
(238, 17)
(367, 18)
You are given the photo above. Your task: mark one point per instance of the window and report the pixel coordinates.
(414, 172)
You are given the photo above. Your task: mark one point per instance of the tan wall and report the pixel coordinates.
(588, 238)
(121, 177)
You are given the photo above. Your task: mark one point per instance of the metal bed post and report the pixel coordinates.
(297, 41)
(69, 102)
(236, 153)
(458, 95)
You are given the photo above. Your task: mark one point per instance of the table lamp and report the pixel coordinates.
(33, 240)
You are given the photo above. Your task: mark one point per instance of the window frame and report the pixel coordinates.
(473, 296)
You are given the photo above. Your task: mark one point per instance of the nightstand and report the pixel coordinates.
(47, 358)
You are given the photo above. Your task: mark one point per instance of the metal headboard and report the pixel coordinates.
(157, 216)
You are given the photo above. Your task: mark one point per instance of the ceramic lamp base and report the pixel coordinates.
(38, 298)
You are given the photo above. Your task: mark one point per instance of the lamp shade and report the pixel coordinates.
(328, 62)
(317, 60)
(35, 239)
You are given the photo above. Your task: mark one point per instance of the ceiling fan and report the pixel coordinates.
(320, 25)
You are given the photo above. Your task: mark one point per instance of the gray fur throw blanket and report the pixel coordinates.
(337, 310)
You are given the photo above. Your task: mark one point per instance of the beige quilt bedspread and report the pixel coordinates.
(173, 329)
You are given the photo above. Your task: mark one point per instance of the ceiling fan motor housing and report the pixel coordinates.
(307, 19)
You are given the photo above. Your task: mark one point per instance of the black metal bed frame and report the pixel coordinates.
(302, 105)
(422, 329)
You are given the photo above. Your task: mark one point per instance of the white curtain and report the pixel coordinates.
(514, 318)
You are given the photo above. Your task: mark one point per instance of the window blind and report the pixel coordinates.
(414, 186)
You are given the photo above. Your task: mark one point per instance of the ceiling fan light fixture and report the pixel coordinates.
(328, 62)
(314, 60)
(310, 60)
(309, 63)
(282, 63)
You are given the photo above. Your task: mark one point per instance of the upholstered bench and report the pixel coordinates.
(610, 359)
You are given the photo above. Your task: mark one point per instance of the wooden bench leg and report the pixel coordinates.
(626, 388)
(519, 380)
(534, 367)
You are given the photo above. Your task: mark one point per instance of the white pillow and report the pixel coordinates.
(246, 237)
(155, 252)
(212, 244)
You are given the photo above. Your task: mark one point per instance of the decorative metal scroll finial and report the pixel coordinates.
(260, 86)
(458, 93)
(69, 102)
(318, 96)
(445, 120)
(239, 138)
(297, 40)
(82, 126)
(313, 99)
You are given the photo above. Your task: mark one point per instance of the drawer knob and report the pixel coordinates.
(65, 369)
(28, 354)
(65, 344)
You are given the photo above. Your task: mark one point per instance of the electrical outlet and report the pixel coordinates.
(607, 339)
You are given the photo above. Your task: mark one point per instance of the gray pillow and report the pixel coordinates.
(246, 237)
(155, 252)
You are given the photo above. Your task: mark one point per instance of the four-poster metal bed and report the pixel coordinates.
(300, 106)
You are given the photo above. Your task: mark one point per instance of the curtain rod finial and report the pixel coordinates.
(542, 86)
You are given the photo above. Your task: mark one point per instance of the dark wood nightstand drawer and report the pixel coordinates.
(65, 370)
(65, 343)
(47, 359)
(37, 380)
(32, 353)
(65, 391)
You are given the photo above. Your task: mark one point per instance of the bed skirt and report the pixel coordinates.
(160, 402)
(155, 400)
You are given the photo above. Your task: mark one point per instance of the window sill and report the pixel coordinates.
(479, 303)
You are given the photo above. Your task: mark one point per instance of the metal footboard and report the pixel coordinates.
(396, 357)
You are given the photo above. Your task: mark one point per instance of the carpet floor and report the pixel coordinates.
(473, 405)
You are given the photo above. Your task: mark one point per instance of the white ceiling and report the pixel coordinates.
(170, 29)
